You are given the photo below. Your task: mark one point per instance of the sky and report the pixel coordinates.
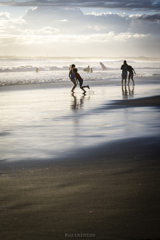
(79, 28)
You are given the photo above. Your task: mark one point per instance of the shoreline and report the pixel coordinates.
(68, 84)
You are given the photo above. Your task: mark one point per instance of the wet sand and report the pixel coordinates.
(110, 191)
(113, 194)
(140, 102)
(107, 192)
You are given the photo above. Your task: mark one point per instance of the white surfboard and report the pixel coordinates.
(103, 66)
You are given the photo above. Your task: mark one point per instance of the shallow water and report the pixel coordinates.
(49, 123)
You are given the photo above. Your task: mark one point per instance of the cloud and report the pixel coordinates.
(66, 29)
(5, 16)
(70, 21)
(151, 18)
(29, 37)
(43, 31)
(145, 24)
(125, 4)
(51, 21)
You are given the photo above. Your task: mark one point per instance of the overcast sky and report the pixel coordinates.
(80, 28)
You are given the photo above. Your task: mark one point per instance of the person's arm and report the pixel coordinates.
(134, 71)
(69, 74)
(122, 67)
(76, 80)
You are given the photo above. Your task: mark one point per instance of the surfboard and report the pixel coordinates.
(103, 66)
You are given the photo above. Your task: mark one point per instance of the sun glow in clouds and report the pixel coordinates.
(72, 32)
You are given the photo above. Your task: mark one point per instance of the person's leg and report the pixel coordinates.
(122, 81)
(74, 83)
(132, 77)
(128, 80)
(123, 77)
(86, 87)
(73, 88)
(81, 83)
(83, 89)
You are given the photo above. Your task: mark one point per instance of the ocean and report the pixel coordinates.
(23, 71)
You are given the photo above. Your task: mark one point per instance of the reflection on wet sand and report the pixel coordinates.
(127, 91)
(78, 103)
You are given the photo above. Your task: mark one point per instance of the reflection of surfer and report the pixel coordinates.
(78, 103)
(126, 93)
(131, 91)
(75, 105)
(71, 76)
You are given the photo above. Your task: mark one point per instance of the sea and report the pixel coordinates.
(23, 71)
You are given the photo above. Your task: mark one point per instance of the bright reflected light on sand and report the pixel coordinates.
(47, 123)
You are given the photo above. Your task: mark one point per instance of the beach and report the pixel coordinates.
(113, 194)
(77, 166)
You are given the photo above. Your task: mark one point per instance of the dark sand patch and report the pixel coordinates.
(113, 192)
(140, 102)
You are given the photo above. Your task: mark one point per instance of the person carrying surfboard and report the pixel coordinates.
(71, 76)
(130, 70)
(78, 77)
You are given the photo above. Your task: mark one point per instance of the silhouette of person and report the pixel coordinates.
(78, 77)
(130, 70)
(71, 76)
(124, 71)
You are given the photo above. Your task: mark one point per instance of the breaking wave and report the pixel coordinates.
(24, 71)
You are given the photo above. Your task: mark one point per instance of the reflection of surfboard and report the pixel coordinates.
(103, 66)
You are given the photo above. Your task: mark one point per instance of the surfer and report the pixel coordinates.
(78, 77)
(87, 69)
(130, 70)
(124, 71)
(71, 76)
